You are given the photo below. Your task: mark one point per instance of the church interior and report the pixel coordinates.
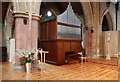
(60, 40)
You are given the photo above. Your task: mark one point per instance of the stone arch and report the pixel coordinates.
(87, 9)
(106, 14)
(109, 19)
(8, 27)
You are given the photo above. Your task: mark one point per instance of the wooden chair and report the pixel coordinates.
(81, 57)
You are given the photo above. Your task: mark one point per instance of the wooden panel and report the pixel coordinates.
(46, 48)
(52, 47)
(48, 30)
(46, 44)
(57, 49)
(79, 46)
(73, 46)
(45, 30)
(60, 53)
(66, 46)
(60, 45)
(54, 29)
(60, 57)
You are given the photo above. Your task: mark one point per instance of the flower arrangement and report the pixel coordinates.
(27, 56)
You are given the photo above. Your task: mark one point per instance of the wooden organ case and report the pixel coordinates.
(59, 35)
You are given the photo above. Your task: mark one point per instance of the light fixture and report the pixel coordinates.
(49, 13)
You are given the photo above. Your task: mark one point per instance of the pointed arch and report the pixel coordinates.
(87, 9)
(107, 14)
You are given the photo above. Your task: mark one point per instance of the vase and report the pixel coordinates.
(28, 67)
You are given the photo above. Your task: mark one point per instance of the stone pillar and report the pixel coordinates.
(119, 67)
(88, 41)
(26, 37)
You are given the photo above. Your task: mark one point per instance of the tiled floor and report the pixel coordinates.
(77, 71)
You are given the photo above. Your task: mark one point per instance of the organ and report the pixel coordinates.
(60, 34)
